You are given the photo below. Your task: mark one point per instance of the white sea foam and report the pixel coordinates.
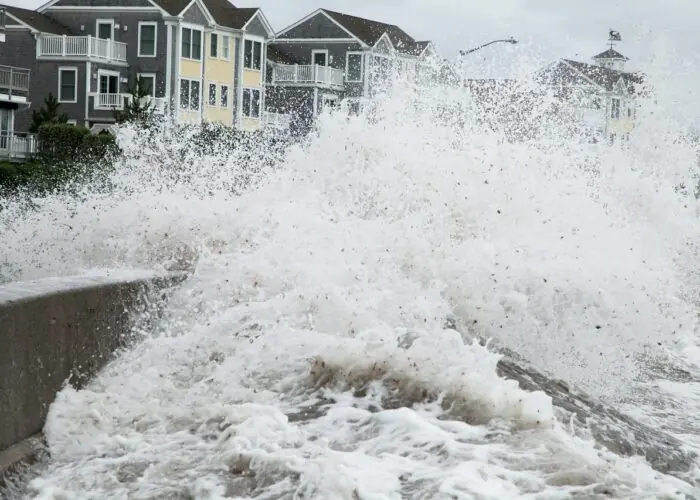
(307, 354)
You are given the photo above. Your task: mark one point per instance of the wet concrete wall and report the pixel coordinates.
(58, 330)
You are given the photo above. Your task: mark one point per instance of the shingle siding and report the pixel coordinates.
(256, 27)
(318, 26)
(194, 15)
(336, 51)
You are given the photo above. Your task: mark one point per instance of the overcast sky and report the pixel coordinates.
(659, 36)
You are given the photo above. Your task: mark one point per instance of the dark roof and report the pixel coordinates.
(173, 7)
(279, 55)
(225, 14)
(418, 48)
(371, 31)
(38, 21)
(606, 78)
(610, 54)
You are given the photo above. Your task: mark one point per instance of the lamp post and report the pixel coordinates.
(510, 40)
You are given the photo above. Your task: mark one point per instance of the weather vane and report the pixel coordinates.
(614, 36)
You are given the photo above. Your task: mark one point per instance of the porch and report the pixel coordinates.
(117, 101)
(308, 74)
(14, 84)
(15, 147)
(70, 47)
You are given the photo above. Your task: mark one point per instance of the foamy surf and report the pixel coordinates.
(309, 354)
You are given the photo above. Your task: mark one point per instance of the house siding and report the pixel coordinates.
(318, 26)
(336, 51)
(295, 101)
(256, 27)
(219, 71)
(195, 15)
(129, 20)
(19, 50)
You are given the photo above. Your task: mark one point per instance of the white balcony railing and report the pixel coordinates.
(278, 121)
(14, 80)
(81, 46)
(17, 147)
(308, 74)
(158, 104)
(109, 101)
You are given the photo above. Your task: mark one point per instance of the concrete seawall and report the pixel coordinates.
(60, 329)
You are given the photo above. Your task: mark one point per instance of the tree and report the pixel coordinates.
(139, 108)
(48, 113)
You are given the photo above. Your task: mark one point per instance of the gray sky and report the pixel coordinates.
(659, 36)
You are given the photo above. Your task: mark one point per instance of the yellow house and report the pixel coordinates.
(215, 60)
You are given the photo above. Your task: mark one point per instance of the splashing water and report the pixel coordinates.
(307, 355)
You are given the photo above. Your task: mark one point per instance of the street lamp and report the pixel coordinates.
(510, 40)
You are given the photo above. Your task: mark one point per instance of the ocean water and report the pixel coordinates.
(339, 332)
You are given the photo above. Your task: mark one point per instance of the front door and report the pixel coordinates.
(109, 84)
(320, 58)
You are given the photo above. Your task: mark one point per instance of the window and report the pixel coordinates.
(251, 103)
(148, 81)
(68, 85)
(629, 112)
(147, 39)
(252, 58)
(615, 109)
(212, 94)
(224, 96)
(189, 94)
(225, 47)
(354, 67)
(214, 45)
(191, 43)
(105, 29)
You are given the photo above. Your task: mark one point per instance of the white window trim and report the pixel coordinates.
(103, 21)
(228, 95)
(190, 109)
(320, 51)
(362, 66)
(260, 111)
(203, 38)
(72, 122)
(149, 75)
(155, 38)
(228, 38)
(216, 96)
(253, 39)
(74, 69)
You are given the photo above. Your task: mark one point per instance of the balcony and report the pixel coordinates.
(308, 75)
(71, 47)
(108, 102)
(16, 147)
(276, 121)
(14, 84)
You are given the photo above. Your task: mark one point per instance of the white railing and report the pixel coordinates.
(279, 121)
(17, 147)
(109, 101)
(158, 104)
(14, 79)
(81, 46)
(308, 74)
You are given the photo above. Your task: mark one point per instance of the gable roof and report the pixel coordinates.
(37, 21)
(173, 7)
(610, 54)
(566, 71)
(371, 31)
